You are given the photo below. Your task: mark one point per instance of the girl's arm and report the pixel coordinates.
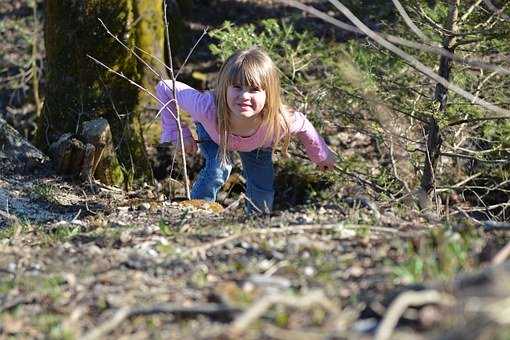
(194, 102)
(314, 144)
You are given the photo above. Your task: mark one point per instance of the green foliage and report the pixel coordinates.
(291, 50)
(165, 229)
(44, 192)
(439, 255)
(308, 65)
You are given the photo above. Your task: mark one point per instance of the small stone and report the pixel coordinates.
(356, 271)
(94, 250)
(304, 219)
(125, 236)
(144, 206)
(270, 281)
(309, 271)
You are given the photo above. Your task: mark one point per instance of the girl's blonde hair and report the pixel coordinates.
(254, 68)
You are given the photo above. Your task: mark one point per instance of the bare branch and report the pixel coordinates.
(191, 52)
(415, 63)
(130, 50)
(410, 22)
(398, 40)
(469, 11)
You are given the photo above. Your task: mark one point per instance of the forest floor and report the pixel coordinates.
(90, 261)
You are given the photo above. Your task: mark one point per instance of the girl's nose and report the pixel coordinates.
(245, 93)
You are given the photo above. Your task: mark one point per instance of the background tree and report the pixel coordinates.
(79, 90)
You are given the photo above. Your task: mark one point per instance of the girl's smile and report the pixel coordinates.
(245, 102)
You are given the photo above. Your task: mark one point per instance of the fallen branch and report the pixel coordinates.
(401, 303)
(211, 310)
(502, 255)
(259, 308)
(24, 300)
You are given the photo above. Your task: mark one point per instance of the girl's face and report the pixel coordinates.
(245, 101)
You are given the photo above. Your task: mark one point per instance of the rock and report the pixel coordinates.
(144, 206)
(16, 153)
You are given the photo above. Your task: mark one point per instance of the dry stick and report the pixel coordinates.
(164, 105)
(399, 306)
(415, 63)
(258, 309)
(398, 40)
(502, 255)
(410, 22)
(213, 310)
(179, 127)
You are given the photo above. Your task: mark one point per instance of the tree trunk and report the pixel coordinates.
(79, 90)
(434, 140)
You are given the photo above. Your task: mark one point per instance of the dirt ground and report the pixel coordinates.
(88, 261)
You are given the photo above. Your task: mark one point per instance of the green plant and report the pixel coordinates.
(439, 255)
(44, 192)
(165, 229)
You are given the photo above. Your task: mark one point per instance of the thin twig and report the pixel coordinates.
(131, 50)
(178, 113)
(191, 52)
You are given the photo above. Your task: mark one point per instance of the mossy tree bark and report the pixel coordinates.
(79, 90)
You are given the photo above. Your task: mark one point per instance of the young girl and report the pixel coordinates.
(244, 113)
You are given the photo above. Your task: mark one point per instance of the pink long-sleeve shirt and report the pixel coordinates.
(202, 108)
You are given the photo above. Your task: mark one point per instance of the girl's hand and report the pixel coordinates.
(190, 146)
(329, 163)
